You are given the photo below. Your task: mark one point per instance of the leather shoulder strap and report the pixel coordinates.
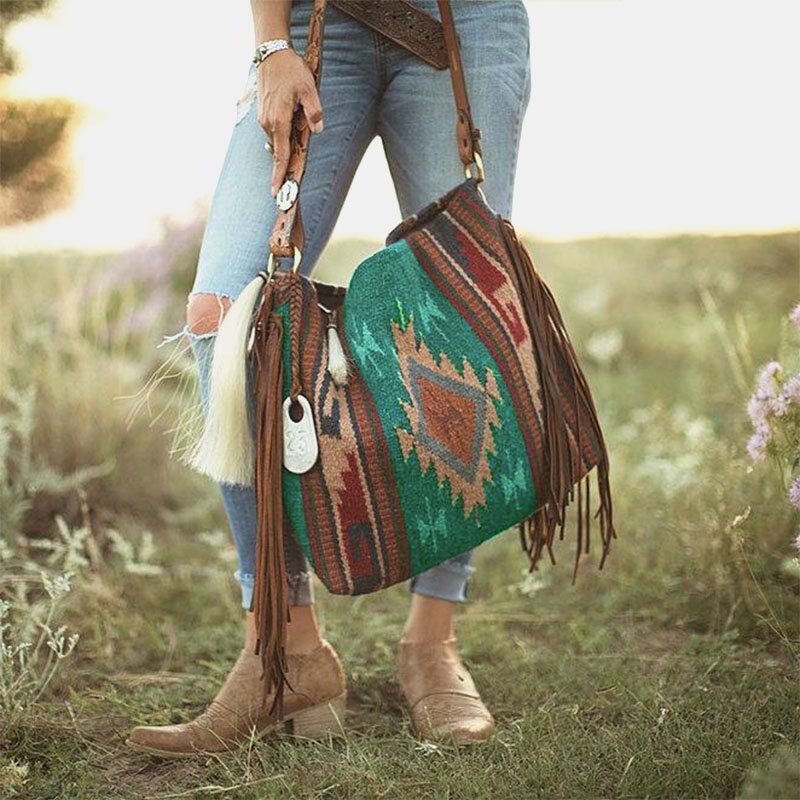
(469, 148)
(288, 230)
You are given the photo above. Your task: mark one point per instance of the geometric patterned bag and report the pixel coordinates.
(433, 404)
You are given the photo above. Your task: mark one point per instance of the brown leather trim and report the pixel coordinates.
(402, 23)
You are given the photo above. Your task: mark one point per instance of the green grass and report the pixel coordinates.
(670, 674)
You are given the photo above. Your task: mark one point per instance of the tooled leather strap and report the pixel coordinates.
(287, 232)
(402, 23)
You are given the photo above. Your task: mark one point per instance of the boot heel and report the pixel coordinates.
(318, 722)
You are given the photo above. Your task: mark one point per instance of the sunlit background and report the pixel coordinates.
(645, 118)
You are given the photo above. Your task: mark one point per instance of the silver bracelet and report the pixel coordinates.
(266, 49)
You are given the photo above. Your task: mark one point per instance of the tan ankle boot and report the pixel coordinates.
(441, 694)
(315, 707)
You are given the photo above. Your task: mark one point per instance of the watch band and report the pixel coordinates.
(266, 49)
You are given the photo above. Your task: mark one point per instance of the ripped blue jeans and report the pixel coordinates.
(369, 87)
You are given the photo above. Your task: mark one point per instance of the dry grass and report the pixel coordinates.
(671, 674)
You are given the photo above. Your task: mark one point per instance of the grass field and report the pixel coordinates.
(670, 674)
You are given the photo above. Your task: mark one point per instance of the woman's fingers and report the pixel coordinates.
(276, 116)
(280, 153)
(281, 129)
(284, 84)
(312, 108)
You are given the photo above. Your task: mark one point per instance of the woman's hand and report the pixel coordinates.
(284, 83)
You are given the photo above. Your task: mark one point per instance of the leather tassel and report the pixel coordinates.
(565, 465)
(270, 596)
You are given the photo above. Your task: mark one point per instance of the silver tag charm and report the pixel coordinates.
(300, 448)
(287, 194)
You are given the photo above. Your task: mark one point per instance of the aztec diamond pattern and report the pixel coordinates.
(451, 417)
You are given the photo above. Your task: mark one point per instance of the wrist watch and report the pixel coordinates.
(266, 49)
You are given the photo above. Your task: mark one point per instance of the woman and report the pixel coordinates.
(369, 87)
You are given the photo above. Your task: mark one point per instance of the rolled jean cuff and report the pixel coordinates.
(301, 590)
(447, 581)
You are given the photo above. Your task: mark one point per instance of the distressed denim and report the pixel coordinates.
(369, 87)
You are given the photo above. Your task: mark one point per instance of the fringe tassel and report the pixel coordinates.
(270, 596)
(553, 346)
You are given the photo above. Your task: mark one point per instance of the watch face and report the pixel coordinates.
(287, 194)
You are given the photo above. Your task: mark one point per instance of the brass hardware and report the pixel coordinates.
(272, 266)
(479, 173)
(298, 257)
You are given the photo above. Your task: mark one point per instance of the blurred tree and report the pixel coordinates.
(35, 178)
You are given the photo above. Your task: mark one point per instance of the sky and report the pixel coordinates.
(646, 117)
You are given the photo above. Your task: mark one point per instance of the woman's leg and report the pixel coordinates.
(416, 121)
(234, 250)
(235, 245)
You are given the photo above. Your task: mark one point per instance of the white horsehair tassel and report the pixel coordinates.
(225, 451)
(337, 360)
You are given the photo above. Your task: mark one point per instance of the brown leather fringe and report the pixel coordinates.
(565, 463)
(270, 595)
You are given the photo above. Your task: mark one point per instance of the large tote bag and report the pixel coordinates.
(433, 404)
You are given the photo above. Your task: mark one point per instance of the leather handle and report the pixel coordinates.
(287, 233)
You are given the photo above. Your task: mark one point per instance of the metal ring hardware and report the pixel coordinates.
(479, 173)
(272, 264)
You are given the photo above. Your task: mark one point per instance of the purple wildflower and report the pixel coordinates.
(153, 267)
(767, 381)
(797, 542)
(794, 316)
(791, 389)
(794, 491)
(757, 409)
(757, 445)
(780, 405)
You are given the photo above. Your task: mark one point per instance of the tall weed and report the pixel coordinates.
(33, 645)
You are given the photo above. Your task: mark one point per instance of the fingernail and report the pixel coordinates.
(317, 127)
